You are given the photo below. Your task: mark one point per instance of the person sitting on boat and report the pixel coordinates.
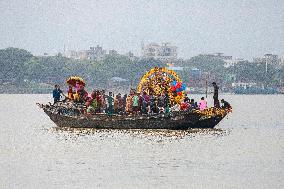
(56, 93)
(161, 101)
(202, 104)
(225, 104)
(110, 103)
(192, 104)
(167, 109)
(196, 105)
(184, 105)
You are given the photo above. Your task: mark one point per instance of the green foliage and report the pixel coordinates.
(140, 67)
(206, 63)
(19, 66)
(12, 64)
(253, 72)
(213, 66)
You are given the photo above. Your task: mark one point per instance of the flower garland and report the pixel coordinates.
(158, 81)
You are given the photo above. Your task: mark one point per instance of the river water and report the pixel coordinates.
(246, 150)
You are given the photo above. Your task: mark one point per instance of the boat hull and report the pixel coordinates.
(179, 121)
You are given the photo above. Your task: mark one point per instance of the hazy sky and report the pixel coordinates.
(243, 29)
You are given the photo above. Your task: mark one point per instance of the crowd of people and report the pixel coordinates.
(134, 103)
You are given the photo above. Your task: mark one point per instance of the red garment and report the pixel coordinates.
(184, 106)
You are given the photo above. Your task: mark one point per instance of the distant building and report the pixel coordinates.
(233, 62)
(93, 53)
(219, 55)
(71, 54)
(164, 52)
(117, 81)
(112, 52)
(176, 68)
(267, 58)
(281, 62)
(129, 54)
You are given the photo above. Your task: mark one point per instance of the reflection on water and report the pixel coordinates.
(245, 150)
(150, 134)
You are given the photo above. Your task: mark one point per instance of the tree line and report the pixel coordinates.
(20, 67)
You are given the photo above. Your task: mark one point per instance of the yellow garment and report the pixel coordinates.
(76, 97)
(128, 107)
(70, 96)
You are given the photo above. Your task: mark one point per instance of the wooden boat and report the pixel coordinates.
(163, 81)
(181, 120)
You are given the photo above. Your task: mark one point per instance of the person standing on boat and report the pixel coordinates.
(124, 102)
(56, 93)
(215, 96)
(120, 104)
(128, 108)
(145, 102)
(103, 101)
(135, 103)
(110, 103)
(140, 103)
(115, 104)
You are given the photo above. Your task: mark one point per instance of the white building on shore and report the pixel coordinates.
(94, 53)
(268, 59)
(165, 52)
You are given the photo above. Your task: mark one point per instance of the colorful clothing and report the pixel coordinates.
(56, 95)
(135, 101)
(202, 105)
(128, 104)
